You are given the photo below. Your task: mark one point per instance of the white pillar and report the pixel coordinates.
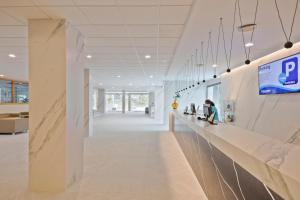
(90, 106)
(87, 101)
(101, 100)
(56, 128)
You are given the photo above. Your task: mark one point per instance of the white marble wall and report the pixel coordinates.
(87, 101)
(75, 104)
(276, 116)
(56, 105)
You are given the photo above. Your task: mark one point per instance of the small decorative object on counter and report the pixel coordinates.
(229, 111)
(174, 104)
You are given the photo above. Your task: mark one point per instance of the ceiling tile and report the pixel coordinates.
(72, 14)
(13, 31)
(95, 2)
(174, 14)
(103, 30)
(102, 15)
(139, 15)
(171, 30)
(13, 42)
(109, 42)
(16, 3)
(25, 13)
(6, 19)
(53, 2)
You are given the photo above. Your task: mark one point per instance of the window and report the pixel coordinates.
(113, 102)
(139, 102)
(21, 92)
(13, 92)
(6, 91)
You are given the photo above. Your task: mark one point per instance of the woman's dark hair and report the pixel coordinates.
(211, 103)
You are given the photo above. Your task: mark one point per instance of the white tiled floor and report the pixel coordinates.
(135, 160)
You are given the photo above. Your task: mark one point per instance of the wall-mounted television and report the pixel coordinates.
(280, 77)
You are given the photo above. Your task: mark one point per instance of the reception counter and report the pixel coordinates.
(234, 163)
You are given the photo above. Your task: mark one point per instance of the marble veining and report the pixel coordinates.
(267, 160)
(56, 123)
(48, 125)
(273, 115)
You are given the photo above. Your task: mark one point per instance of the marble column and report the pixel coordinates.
(56, 124)
(101, 100)
(88, 103)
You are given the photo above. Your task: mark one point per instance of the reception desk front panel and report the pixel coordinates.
(220, 176)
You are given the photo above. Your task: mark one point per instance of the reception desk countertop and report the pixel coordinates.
(273, 162)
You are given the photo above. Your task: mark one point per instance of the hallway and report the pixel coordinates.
(135, 160)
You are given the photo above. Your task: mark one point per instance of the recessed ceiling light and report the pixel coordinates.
(1, 75)
(151, 76)
(89, 56)
(214, 65)
(12, 55)
(118, 76)
(249, 44)
(147, 56)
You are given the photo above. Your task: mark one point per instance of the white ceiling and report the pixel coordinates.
(119, 33)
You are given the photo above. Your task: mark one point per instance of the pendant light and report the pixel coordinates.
(197, 66)
(288, 44)
(242, 28)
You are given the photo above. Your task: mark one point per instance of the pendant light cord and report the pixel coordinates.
(197, 66)
(202, 59)
(218, 45)
(228, 58)
(206, 56)
(288, 38)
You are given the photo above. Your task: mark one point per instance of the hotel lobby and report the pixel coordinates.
(149, 100)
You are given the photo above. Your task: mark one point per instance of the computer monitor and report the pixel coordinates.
(206, 109)
(193, 108)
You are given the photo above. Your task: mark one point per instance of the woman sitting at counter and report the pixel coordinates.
(213, 116)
